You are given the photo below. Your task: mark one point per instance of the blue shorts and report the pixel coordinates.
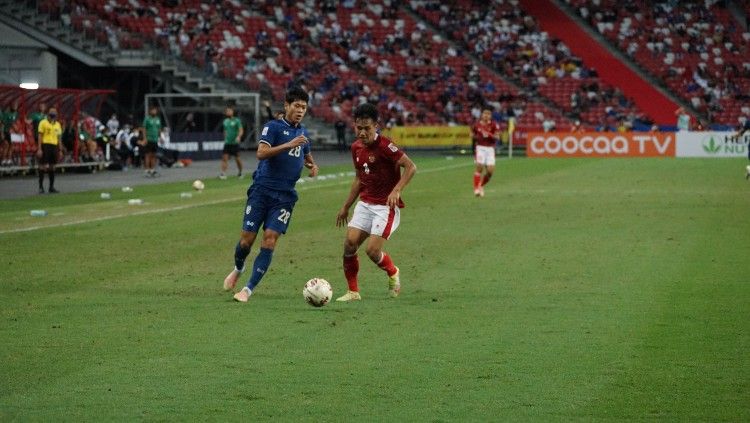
(269, 207)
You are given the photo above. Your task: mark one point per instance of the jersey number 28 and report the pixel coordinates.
(296, 151)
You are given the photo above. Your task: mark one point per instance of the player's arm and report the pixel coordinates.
(342, 218)
(310, 164)
(265, 151)
(409, 170)
(241, 133)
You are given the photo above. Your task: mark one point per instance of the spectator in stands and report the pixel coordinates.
(48, 148)
(683, 119)
(113, 126)
(152, 129)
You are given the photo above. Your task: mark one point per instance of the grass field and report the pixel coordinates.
(575, 290)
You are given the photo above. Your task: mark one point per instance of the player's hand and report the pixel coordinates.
(342, 218)
(313, 170)
(297, 141)
(38, 153)
(393, 198)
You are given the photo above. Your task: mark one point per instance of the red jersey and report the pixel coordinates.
(377, 169)
(486, 134)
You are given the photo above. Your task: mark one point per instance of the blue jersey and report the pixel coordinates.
(282, 171)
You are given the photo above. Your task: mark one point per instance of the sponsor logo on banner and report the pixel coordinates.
(712, 144)
(430, 136)
(600, 144)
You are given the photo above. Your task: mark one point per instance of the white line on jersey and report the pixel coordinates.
(190, 206)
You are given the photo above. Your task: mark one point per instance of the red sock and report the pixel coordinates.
(351, 268)
(477, 178)
(486, 179)
(386, 264)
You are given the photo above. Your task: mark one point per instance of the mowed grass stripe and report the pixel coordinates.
(119, 204)
(576, 290)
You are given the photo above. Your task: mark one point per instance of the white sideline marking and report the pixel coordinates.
(190, 206)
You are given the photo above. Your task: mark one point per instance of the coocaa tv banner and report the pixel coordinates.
(712, 144)
(600, 144)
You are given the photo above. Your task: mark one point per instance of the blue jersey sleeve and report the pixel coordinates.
(268, 134)
(306, 146)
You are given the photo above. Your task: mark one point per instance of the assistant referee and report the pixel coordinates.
(50, 133)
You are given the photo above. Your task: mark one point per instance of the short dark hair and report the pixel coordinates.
(366, 111)
(296, 93)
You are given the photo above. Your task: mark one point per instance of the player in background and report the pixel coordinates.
(487, 133)
(152, 127)
(233, 132)
(283, 149)
(744, 129)
(378, 183)
(48, 142)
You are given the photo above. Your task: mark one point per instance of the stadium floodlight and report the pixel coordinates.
(29, 85)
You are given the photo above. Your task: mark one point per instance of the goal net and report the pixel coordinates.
(195, 120)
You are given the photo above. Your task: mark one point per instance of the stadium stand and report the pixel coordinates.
(260, 43)
(422, 63)
(512, 42)
(696, 49)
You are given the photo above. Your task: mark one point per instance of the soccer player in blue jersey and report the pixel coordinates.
(283, 149)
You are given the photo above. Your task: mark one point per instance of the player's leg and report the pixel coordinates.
(224, 163)
(51, 160)
(41, 170)
(489, 170)
(385, 223)
(275, 223)
(354, 238)
(260, 265)
(477, 171)
(239, 164)
(252, 219)
(356, 233)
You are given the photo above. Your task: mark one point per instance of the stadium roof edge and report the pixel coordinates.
(50, 41)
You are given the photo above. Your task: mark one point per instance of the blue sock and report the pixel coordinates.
(240, 254)
(261, 264)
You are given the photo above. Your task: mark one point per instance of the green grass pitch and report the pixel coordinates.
(575, 290)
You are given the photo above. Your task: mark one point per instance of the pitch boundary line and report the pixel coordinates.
(190, 206)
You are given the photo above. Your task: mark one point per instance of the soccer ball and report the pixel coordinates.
(198, 185)
(317, 292)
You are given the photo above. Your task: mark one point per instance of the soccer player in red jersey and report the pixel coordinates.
(487, 133)
(378, 183)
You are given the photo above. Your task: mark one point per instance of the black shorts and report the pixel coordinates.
(231, 149)
(150, 147)
(49, 154)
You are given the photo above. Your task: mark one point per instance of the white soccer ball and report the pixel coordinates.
(198, 185)
(317, 292)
